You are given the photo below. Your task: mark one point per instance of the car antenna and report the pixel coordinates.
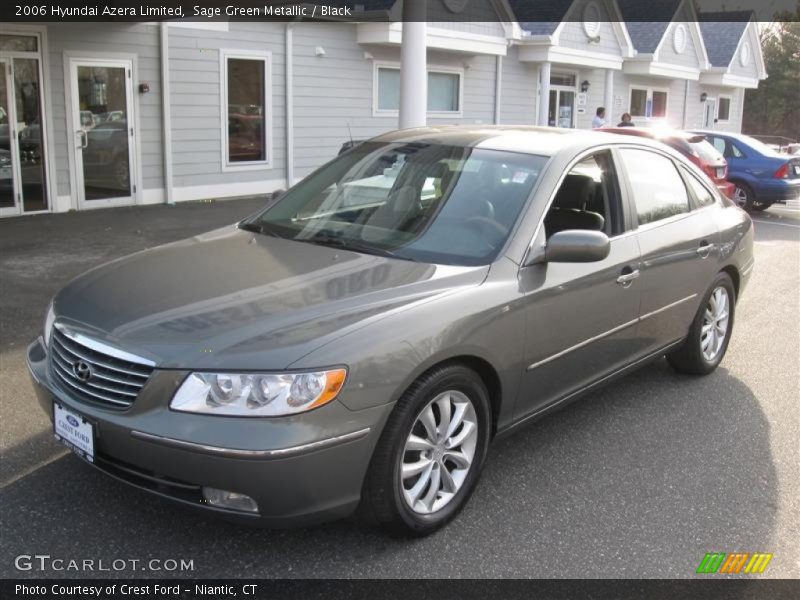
(350, 133)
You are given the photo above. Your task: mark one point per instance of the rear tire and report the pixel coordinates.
(710, 333)
(399, 493)
(743, 196)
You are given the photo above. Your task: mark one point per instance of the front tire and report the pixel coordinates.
(429, 458)
(707, 342)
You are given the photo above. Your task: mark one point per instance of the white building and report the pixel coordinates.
(110, 114)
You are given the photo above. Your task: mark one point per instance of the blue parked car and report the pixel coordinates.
(762, 176)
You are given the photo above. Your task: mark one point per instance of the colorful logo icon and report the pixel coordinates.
(736, 562)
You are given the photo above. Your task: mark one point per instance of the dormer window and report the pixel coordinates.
(745, 54)
(679, 38)
(591, 19)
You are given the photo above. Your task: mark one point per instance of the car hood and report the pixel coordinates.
(236, 300)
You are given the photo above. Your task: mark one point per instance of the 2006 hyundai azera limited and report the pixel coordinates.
(360, 342)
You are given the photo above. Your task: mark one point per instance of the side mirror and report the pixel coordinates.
(577, 246)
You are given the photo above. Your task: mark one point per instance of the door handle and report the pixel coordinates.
(84, 139)
(626, 279)
(705, 249)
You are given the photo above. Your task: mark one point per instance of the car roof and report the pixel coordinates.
(656, 134)
(723, 134)
(542, 141)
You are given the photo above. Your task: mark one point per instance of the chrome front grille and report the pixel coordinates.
(95, 373)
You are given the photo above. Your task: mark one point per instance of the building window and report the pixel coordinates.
(246, 99)
(679, 38)
(444, 91)
(744, 54)
(565, 79)
(19, 43)
(648, 103)
(724, 108)
(591, 19)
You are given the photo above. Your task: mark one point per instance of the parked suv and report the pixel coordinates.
(761, 176)
(694, 147)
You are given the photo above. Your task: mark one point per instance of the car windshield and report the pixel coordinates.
(416, 201)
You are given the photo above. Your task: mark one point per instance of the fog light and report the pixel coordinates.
(229, 500)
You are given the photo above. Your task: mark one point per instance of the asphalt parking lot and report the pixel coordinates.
(639, 479)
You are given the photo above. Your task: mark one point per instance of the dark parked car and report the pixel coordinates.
(762, 176)
(693, 146)
(362, 341)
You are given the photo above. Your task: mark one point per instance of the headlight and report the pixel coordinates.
(257, 394)
(49, 317)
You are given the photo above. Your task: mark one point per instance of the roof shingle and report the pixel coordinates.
(721, 38)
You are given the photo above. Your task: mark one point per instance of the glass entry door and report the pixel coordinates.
(9, 199)
(102, 126)
(561, 112)
(709, 113)
(23, 183)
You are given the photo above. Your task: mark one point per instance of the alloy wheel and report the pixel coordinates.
(715, 323)
(740, 196)
(439, 452)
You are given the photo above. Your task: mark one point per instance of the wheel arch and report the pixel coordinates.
(485, 370)
(733, 272)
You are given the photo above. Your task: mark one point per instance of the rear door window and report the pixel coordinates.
(702, 195)
(657, 187)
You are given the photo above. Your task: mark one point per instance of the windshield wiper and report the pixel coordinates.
(259, 227)
(252, 227)
(337, 242)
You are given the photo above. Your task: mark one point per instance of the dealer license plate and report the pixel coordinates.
(73, 431)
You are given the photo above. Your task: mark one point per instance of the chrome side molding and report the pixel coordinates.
(612, 331)
(250, 454)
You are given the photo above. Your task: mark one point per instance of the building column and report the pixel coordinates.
(544, 92)
(413, 66)
(608, 98)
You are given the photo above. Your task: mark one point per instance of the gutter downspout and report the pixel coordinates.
(685, 102)
(289, 106)
(166, 114)
(498, 84)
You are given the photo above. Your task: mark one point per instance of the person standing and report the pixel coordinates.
(599, 118)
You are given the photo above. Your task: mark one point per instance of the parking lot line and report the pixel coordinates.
(32, 469)
(768, 222)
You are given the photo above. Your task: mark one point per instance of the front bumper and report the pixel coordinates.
(301, 469)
